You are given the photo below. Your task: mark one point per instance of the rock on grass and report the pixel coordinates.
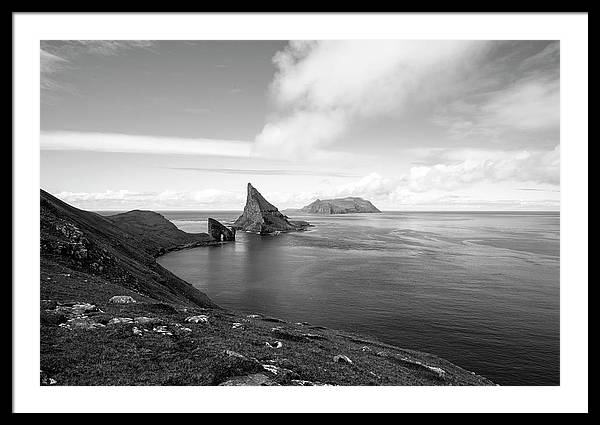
(255, 379)
(121, 299)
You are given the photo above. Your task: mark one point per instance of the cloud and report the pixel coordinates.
(50, 65)
(526, 106)
(440, 182)
(432, 201)
(266, 172)
(521, 166)
(127, 199)
(438, 186)
(371, 186)
(527, 189)
(58, 56)
(300, 134)
(108, 47)
(70, 49)
(321, 87)
(124, 143)
(134, 143)
(547, 60)
(514, 99)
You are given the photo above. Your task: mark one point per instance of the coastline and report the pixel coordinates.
(172, 334)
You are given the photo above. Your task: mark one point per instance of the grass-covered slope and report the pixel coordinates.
(173, 334)
(158, 233)
(115, 250)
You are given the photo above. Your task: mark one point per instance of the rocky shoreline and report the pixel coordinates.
(110, 315)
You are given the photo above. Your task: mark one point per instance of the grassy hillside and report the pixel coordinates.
(174, 334)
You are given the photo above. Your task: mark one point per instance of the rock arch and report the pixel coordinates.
(219, 232)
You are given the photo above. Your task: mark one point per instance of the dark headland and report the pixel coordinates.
(111, 315)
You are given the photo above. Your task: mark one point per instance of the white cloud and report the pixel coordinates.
(370, 186)
(127, 199)
(107, 47)
(521, 166)
(49, 65)
(440, 185)
(526, 106)
(363, 76)
(321, 87)
(299, 134)
(107, 142)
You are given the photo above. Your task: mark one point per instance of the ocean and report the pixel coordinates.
(480, 289)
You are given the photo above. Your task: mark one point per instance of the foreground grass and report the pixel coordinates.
(230, 347)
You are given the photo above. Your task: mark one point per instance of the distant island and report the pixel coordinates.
(346, 205)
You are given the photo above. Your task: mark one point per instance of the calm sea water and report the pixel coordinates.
(480, 289)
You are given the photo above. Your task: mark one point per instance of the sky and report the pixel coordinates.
(406, 124)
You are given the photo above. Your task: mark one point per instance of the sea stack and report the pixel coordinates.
(220, 232)
(262, 217)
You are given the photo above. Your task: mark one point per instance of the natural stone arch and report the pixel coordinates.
(219, 232)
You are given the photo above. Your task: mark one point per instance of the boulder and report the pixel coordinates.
(142, 320)
(162, 330)
(231, 353)
(48, 304)
(77, 310)
(201, 318)
(121, 299)
(80, 309)
(45, 379)
(120, 320)
(52, 317)
(276, 344)
(304, 383)
(255, 379)
(81, 323)
(342, 359)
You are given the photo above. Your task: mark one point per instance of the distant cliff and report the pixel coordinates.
(262, 217)
(340, 206)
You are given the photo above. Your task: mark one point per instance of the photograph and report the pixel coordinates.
(300, 212)
(394, 222)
